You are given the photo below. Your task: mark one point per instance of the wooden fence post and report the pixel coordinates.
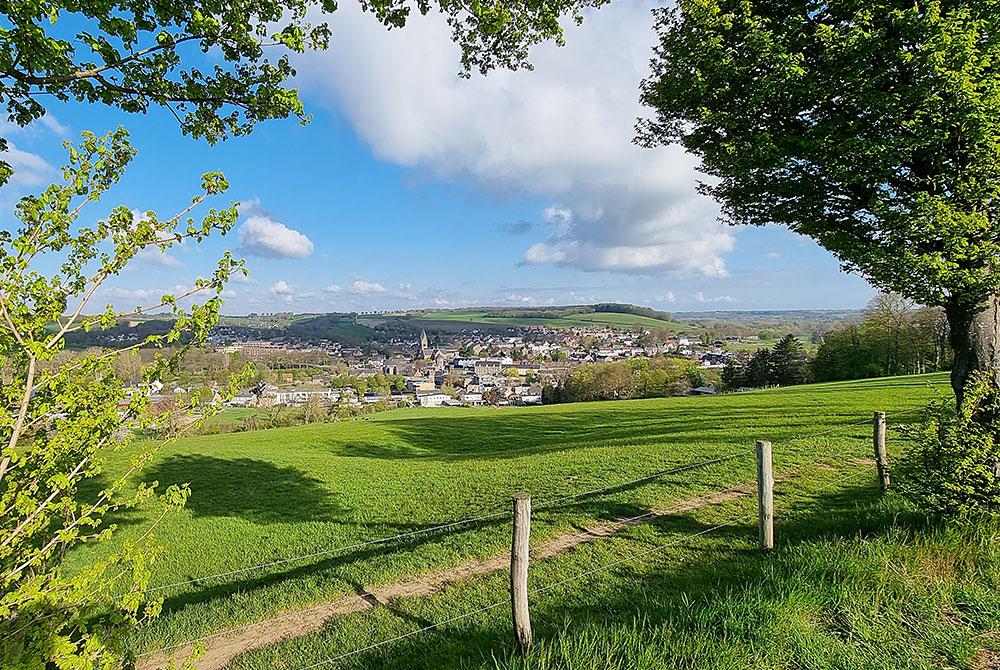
(881, 458)
(765, 494)
(519, 571)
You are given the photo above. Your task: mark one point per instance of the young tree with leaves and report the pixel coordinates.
(59, 419)
(137, 55)
(871, 127)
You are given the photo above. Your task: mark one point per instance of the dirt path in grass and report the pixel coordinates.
(222, 648)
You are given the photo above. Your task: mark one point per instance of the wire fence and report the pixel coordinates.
(498, 513)
(505, 512)
(608, 528)
(537, 591)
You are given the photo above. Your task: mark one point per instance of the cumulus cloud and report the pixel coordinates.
(260, 235)
(147, 296)
(364, 287)
(158, 258)
(701, 297)
(529, 300)
(562, 133)
(359, 287)
(29, 169)
(670, 297)
(282, 288)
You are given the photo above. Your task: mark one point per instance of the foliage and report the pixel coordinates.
(58, 419)
(637, 378)
(789, 362)
(872, 127)
(953, 467)
(894, 337)
(785, 364)
(620, 308)
(135, 55)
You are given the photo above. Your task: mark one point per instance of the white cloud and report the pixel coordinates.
(251, 206)
(143, 294)
(529, 300)
(364, 287)
(260, 235)
(562, 132)
(357, 287)
(669, 297)
(701, 297)
(29, 169)
(149, 296)
(48, 122)
(282, 288)
(157, 257)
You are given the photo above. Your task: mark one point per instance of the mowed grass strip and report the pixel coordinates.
(269, 495)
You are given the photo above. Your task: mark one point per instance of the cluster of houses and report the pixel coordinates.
(476, 368)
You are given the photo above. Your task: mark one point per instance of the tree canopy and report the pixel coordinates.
(872, 127)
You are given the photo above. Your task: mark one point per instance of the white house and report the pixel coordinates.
(472, 398)
(433, 399)
(301, 396)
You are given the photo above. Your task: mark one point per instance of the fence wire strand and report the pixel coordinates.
(444, 526)
(327, 552)
(506, 601)
(610, 528)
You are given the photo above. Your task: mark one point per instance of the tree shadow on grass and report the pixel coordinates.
(247, 488)
(509, 435)
(664, 595)
(318, 568)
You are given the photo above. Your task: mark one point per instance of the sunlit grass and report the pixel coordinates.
(269, 495)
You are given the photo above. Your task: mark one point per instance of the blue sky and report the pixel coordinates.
(415, 188)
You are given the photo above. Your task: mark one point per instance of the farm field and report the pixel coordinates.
(273, 495)
(592, 319)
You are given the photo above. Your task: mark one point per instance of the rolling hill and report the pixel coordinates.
(286, 518)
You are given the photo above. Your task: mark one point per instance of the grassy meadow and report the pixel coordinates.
(586, 320)
(854, 579)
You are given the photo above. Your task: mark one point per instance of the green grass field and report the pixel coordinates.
(588, 320)
(856, 582)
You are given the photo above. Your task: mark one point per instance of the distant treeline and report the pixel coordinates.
(121, 334)
(785, 364)
(636, 378)
(894, 337)
(561, 312)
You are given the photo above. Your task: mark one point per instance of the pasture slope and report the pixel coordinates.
(857, 581)
(584, 320)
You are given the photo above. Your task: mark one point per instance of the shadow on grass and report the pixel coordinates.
(662, 596)
(510, 435)
(246, 488)
(595, 507)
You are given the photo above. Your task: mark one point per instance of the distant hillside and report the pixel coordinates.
(615, 315)
(353, 329)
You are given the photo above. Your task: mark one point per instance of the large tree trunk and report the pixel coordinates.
(974, 336)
